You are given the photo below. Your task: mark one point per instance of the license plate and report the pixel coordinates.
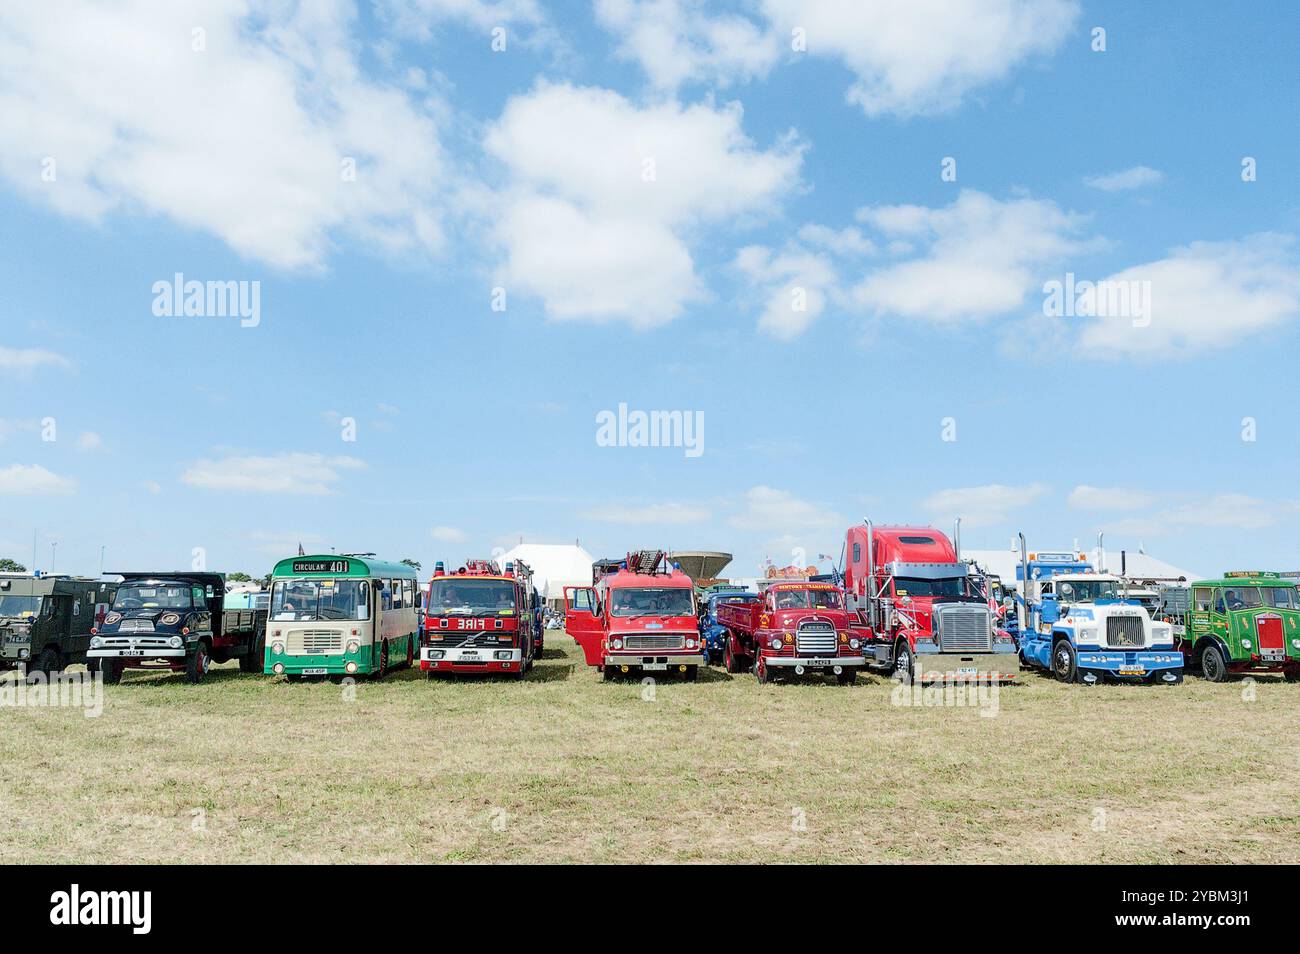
(654, 667)
(817, 663)
(967, 670)
(1132, 671)
(469, 654)
(130, 652)
(1272, 656)
(315, 671)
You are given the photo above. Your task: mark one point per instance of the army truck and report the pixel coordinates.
(46, 622)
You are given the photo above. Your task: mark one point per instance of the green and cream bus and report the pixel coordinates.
(341, 615)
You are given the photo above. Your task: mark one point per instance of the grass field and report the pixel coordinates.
(565, 768)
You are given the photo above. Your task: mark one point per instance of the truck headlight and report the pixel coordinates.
(776, 643)
(277, 649)
(1245, 643)
(96, 642)
(175, 642)
(1296, 643)
(616, 644)
(854, 643)
(690, 644)
(353, 646)
(1088, 633)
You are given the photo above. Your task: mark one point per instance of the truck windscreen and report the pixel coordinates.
(460, 596)
(1086, 591)
(303, 600)
(651, 601)
(808, 599)
(912, 586)
(156, 596)
(20, 606)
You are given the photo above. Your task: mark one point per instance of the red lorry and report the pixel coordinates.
(798, 627)
(481, 619)
(638, 615)
(920, 609)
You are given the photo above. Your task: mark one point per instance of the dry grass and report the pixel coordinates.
(565, 768)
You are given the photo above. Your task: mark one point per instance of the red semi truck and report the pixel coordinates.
(920, 609)
(638, 615)
(797, 627)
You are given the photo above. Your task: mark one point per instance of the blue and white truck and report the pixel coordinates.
(1078, 624)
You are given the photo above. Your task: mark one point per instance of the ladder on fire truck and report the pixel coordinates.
(645, 561)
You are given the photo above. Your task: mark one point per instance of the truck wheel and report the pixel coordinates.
(903, 668)
(1291, 675)
(1213, 666)
(691, 674)
(729, 660)
(847, 677)
(410, 652)
(198, 662)
(46, 662)
(760, 671)
(111, 669)
(252, 660)
(382, 671)
(607, 674)
(1063, 666)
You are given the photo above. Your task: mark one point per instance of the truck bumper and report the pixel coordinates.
(1164, 666)
(957, 667)
(819, 663)
(470, 659)
(652, 663)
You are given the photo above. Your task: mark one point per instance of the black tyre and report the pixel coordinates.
(691, 674)
(46, 662)
(1064, 667)
(198, 662)
(1291, 675)
(111, 669)
(761, 672)
(410, 653)
(382, 670)
(252, 660)
(1213, 666)
(847, 677)
(904, 668)
(729, 660)
(607, 673)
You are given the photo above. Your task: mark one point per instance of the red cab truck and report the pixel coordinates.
(921, 609)
(798, 627)
(481, 619)
(638, 616)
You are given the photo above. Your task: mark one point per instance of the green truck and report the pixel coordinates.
(46, 622)
(1248, 621)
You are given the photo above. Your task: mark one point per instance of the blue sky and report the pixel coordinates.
(771, 170)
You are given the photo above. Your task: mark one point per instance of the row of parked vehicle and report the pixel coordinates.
(903, 602)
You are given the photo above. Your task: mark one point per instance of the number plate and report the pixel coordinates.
(967, 670)
(1132, 670)
(654, 667)
(1272, 656)
(131, 652)
(315, 671)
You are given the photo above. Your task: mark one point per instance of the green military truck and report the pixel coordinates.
(1247, 621)
(46, 622)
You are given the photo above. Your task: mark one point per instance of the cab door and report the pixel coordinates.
(582, 623)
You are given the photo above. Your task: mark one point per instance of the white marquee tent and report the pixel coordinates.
(554, 567)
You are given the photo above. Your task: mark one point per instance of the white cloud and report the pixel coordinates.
(1085, 497)
(1204, 295)
(89, 441)
(983, 506)
(768, 509)
(152, 486)
(795, 284)
(419, 16)
(1232, 510)
(604, 195)
(245, 139)
(23, 361)
(649, 514)
(289, 473)
(1137, 177)
(981, 256)
(33, 480)
(449, 535)
(924, 56)
(678, 41)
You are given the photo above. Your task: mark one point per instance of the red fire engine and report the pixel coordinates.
(799, 627)
(920, 608)
(481, 619)
(638, 614)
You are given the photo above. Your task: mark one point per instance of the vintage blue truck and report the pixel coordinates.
(1077, 624)
(713, 633)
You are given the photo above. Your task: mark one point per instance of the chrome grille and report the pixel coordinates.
(963, 627)
(314, 642)
(1124, 631)
(138, 642)
(670, 641)
(136, 626)
(815, 639)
